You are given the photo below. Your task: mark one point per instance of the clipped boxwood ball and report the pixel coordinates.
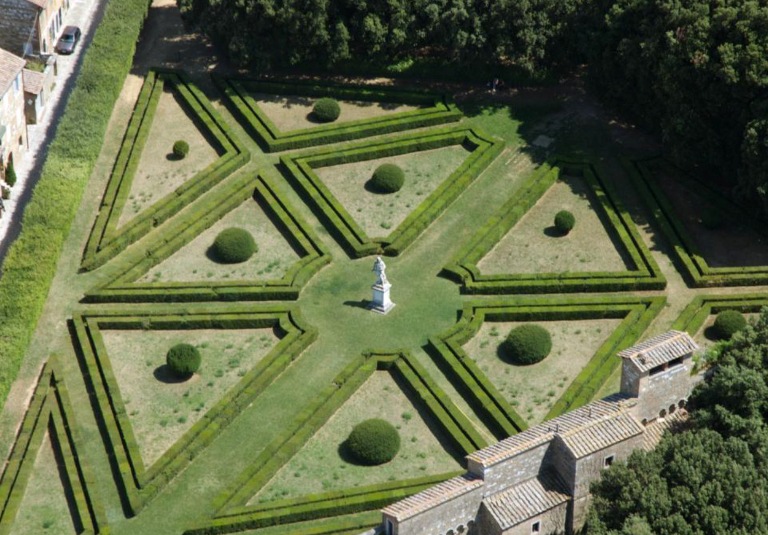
(527, 344)
(727, 323)
(234, 245)
(180, 149)
(387, 178)
(326, 110)
(183, 360)
(373, 442)
(564, 221)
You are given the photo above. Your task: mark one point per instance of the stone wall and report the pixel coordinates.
(514, 470)
(664, 391)
(14, 141)
(450, 515)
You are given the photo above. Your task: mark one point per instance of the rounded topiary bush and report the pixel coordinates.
(727, 323)
(234, 245)
(527, 344)
(180, 149)
(373, 442)
(326, 110)
(387, 178)
(564, 221)
(183, 360)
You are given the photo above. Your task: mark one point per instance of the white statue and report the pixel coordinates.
(381, 302)
(379, 268)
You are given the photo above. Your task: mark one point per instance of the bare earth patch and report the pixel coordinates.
(318, 466)
(532, 245)
(732, 245)
(294, 113)
(192, 263)
(376, 213)
(44, 508)
(161, 411)
(532, 390)
(158, 173)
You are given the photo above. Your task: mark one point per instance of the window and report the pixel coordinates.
(608, 461)
(536, 527)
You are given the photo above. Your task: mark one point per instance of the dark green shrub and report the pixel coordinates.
(10, 174)
(727, 323)
(183, 360)
(234, 245)
(6, 193)
(526, 344)
(180, 149)
(373, 442)
(387, 178)
(564, 221)
(711, 219)
(326, 110)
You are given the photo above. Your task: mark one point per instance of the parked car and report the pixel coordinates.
(69, 38)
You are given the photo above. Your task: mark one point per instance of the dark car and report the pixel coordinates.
(69, 38)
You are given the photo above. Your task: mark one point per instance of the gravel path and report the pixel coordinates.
(83, 13)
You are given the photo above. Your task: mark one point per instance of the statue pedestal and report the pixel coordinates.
(381, 301)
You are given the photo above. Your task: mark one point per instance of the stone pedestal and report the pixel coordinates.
(381, 301)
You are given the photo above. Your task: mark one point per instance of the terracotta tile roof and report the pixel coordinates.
(10, 67)
(33, 81)
(526, 500)
(660, 349)
(545, 432)
(426, 499)
(655, 429)
(39, 3)
(600, 434)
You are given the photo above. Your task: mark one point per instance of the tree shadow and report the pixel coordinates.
(171, 157)
(553, 232)
(710, 333)
(370, 187)
(164, 374)
(346, 455)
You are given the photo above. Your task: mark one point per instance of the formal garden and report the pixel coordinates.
(206, 360)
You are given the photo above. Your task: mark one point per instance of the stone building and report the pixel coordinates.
(13, 127)
(537, 481)
(30, 27)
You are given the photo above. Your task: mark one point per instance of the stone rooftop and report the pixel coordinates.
(660, 349)
(529, 498)
(10, 67)
(33, 81)
(426, 499)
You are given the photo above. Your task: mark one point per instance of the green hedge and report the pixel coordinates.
(50, 410)
(435, 110)
(300, 169)
(688, 257)
(190, 224)
(30, 264)
(497, 413)
(702, 306)
(140, 484)
(106, 239)
(645, 274)
(233, 515)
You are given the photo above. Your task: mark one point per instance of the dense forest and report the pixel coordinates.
(712, 478)
(694, 72)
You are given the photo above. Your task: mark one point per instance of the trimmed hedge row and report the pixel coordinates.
(694, 267)
(437, 110)
(49, 410)
(140, 484)
(106, 239)
(646, 274)
(30, 264)
(300, 170)
(702, 306)
(194, 221)
(315, 506)
(234, 516)
(497, 413)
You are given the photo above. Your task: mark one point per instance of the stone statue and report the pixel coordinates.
(381, 302)
(379, 268)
